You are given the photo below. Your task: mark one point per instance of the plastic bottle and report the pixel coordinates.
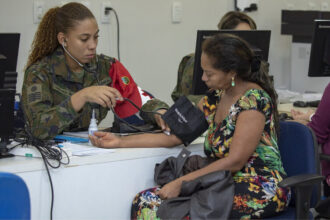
(92, 125)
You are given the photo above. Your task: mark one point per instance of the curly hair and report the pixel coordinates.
(231, 53)
(56, 20)
(233, 18)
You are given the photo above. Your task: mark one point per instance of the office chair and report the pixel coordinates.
(323, 207)
(14, 197)
(299, 153)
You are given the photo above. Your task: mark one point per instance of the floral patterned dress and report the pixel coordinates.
(257, 194)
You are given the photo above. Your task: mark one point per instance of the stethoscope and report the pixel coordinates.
(82, 65)
(97, 105)
(87, 70)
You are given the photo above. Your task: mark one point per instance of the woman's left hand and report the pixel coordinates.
(105, 140)
(298, 115)
(160, 122)
(170, 190)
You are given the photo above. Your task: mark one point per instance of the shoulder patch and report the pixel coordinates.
(34, 93)
(125, 80)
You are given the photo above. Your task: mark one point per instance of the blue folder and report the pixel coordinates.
(64, 138)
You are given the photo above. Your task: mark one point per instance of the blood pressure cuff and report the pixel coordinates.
(186, 121)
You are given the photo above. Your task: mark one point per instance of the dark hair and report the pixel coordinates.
(233, 18)
(57, 19)
(231, 53)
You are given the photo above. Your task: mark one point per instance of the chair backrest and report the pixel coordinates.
(299, 152)
(14, 197)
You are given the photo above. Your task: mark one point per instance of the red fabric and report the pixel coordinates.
(124, 83)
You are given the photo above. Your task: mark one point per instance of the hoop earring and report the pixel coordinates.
(232, 82)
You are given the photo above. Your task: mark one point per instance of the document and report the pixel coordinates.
(84, 149)
(81, 134)
(72, 149)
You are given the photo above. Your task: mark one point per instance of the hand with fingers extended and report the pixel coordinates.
(105, 139)
(160, 122)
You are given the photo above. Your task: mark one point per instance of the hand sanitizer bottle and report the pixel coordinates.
(92, 125)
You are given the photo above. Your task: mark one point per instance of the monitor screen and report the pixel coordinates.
(258, 39)
(319, 61)
(7, 100)
(9, 44)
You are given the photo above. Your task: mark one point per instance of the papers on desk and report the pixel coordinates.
(76, 144)
(26, 151)
(70, 148)
(81, 134)
(287, 96)
(84, 149)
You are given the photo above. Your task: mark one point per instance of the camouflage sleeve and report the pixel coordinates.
(184, 81)
(45, 120)
(195, 98)
(152, 106)
(177, 92)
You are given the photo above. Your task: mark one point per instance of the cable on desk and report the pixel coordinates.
(48, 149)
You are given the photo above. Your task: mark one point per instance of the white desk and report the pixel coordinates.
(92, 187)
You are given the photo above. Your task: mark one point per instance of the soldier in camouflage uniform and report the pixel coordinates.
(58, 94)
(184, 81)
(231, 20)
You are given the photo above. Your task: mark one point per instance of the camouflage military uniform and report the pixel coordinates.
(184, 82)
(185, 78)
(47, 90)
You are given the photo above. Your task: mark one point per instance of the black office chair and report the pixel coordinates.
(323, 207)
(325, 157)
(299, 153)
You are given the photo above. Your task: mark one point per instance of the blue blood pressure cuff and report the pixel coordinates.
(186, 121)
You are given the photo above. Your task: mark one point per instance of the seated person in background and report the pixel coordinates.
(64, 76)
(320, 123)
(242, 136)
(231, 20)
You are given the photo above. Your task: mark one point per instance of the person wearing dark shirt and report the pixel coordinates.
(319, 121)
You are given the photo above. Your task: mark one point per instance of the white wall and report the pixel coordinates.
(152, 46)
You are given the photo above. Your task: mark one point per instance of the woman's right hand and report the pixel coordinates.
(105, 140)
(105, 96)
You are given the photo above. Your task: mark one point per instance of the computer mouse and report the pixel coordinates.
(314, 104)
(284, 117)
(300, 104)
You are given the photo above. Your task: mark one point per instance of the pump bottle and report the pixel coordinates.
(92, 125)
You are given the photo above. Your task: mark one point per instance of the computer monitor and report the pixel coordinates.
(319, 61)
(7, 101)
(9, 44)
(258, 40)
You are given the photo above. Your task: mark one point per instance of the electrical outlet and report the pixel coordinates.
(311, 6)
(290, 6)
(86, 3)
(105, 15)
(176, 12)
(38, 10)
(324, 6)
(63, 2)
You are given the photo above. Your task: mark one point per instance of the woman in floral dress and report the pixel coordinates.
(242, 115)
